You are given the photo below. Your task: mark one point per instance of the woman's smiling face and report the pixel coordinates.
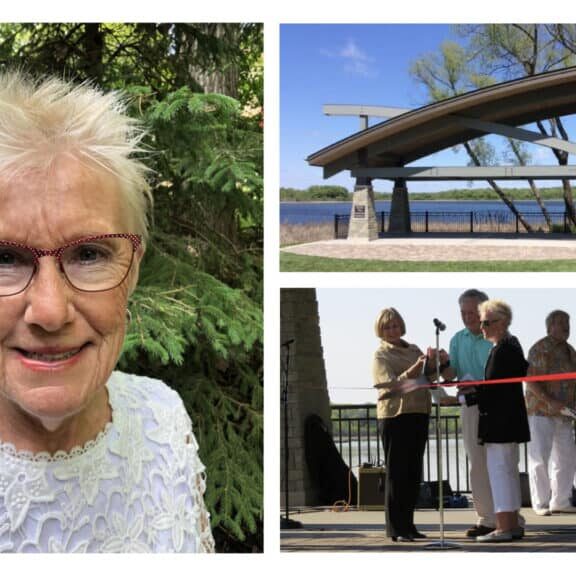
(58, 345)
(493, 326)
(392, 331)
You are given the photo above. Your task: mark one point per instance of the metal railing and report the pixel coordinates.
(355, 434)
(498, 222)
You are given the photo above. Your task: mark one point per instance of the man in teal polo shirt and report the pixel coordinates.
(468, 354)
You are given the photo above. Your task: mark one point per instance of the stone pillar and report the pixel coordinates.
(363, 224)
(307, 387)
(400, 209)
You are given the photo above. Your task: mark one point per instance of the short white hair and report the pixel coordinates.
(498, 307)
(43, 119)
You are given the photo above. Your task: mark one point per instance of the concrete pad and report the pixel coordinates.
(365, 531)
(443, 249)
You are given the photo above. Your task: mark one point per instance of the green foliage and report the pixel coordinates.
(460, 194)
(443, 73)
(210, 154)
(203, 338)
(197, 314)
(328, 192)
(162, 56)
(513, 50)
(489, 53)
(177, 306)
(315, 193)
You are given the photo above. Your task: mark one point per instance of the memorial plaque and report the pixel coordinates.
(360, 212)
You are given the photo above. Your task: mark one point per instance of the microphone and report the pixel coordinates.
(440, 325)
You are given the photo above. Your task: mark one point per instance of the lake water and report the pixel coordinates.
(454, 469)
(318, 212)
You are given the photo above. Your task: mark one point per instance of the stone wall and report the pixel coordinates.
(307, 387)
(363, 224)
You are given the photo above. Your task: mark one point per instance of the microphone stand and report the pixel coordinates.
(286, 522)
(441, 544)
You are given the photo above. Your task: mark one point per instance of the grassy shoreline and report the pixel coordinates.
(327, 193)
(474, 200)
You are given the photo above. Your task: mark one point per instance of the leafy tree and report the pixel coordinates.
(450, 73)
(510, 51)
(197, 313)
(288, 194)
(312, 193)
(328, 192)
(496, 52)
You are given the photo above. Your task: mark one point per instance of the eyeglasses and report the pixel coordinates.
(90, 264)
(488, 323)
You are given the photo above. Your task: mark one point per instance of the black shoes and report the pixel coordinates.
(402, 539)
(480, 530)
(410, 537)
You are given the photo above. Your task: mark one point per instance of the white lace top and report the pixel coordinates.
(138, 487)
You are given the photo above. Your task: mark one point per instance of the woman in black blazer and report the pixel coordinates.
(503, 422)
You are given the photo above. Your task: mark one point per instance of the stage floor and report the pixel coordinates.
(324, 530)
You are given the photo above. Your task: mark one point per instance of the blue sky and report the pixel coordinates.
(348, 352)
(349, 64)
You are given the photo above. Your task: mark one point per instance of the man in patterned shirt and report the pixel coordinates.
(552, 452)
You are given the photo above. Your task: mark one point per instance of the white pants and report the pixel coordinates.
(502, 461)
(479, 481)
(551, 462)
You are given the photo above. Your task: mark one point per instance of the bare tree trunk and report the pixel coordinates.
(540, 203)
(499, 190)
(532, 185)
(93, 44)
(562, 157)
(223, 80)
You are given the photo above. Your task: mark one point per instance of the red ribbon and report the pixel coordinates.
(538, 378)
(412, 384)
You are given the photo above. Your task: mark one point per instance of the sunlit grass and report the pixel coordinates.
(299, 263)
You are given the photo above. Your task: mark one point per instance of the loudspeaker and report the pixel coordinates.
(525, 490)
(428, 496)
(371, 488)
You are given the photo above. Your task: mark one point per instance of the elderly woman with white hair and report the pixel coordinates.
(403, 414)
(91, 460)
(503, 421)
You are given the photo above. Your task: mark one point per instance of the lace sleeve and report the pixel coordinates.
(197, 482)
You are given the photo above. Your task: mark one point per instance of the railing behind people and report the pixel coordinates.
(355, 433)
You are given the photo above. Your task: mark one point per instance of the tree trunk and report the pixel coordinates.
(93, 44)
(499, 190)
(562, 157)
(213, 79)
(533, 187)
(540, 203)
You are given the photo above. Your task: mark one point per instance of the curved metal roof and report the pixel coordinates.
(421, 132)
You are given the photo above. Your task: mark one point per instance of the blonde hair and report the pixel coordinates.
(385, 316)
(43, 119)
(498, 307)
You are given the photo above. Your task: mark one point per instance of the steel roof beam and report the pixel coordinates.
(361, 110)
(517, 134)
(468, 173)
